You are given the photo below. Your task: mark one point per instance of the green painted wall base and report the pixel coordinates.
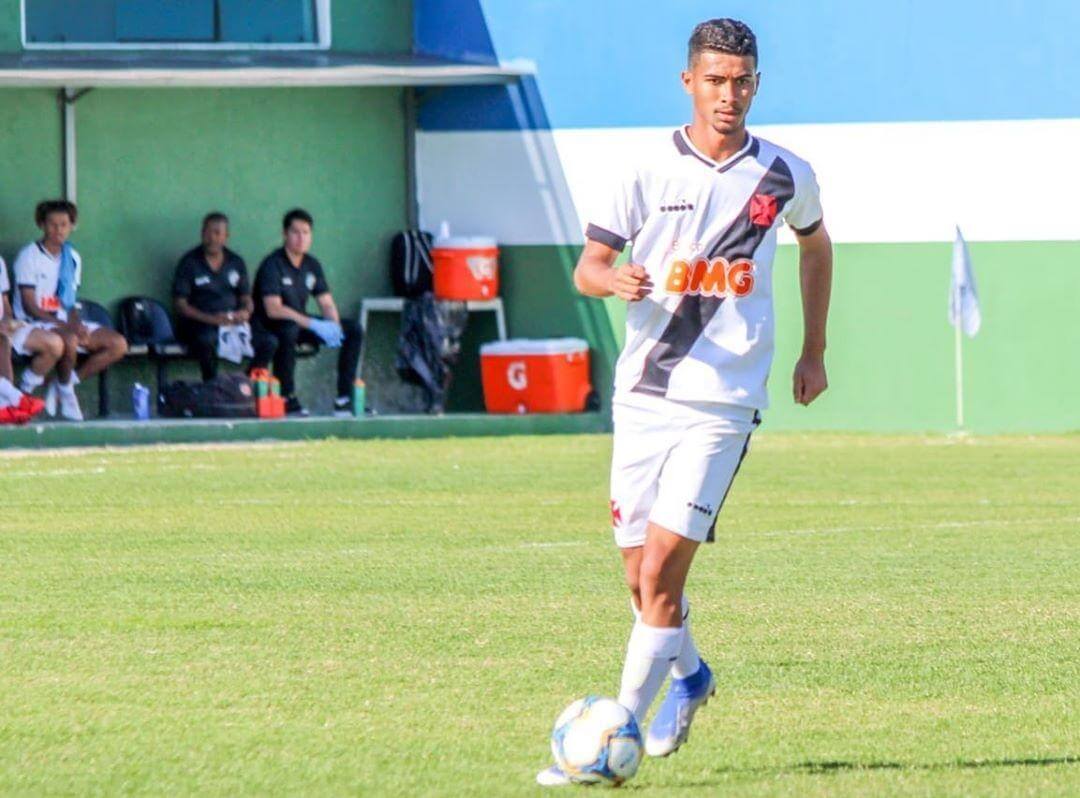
(128, 432)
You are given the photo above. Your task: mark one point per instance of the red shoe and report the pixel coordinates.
(12, 415)
(30, 405)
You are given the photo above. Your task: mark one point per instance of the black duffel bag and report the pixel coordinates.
(225, 396)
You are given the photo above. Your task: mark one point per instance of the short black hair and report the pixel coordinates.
(46, 207)
(722, 36)
(297, 215)
(214, 216)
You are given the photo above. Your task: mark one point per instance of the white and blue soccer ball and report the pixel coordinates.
(597, 740)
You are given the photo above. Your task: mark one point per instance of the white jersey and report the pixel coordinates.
(36, 268)
(706, 233)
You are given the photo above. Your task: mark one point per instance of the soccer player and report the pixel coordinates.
(702, 211)
(47, 277)
(17, 407)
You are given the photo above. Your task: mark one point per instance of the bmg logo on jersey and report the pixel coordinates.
(714, 277)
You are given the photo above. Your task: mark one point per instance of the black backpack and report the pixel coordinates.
(143, 320)
(411, 266)
(225, 396)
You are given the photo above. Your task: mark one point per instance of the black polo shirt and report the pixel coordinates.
(294, 284)
(208, 290)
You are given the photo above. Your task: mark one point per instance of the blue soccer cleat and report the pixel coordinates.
(671, 726)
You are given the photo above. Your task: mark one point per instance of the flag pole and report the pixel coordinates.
(959, 364)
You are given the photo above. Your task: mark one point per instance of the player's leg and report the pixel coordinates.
(104, 347)
(348, 360)
(45, 349)
(10, 396)
(694, 485)
(640, 447)
(65, 376)
(22, 405)
(288, 334)
(657, 637)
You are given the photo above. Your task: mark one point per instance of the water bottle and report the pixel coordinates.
(140, 401)
(358, 398)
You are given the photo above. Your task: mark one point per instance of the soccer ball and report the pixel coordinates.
(597, 740)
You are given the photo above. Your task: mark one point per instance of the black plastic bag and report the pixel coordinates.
(429, 345)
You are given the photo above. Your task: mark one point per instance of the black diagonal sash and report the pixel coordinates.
(740, 240)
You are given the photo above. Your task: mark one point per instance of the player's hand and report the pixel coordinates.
(809, 380)
(630, 282)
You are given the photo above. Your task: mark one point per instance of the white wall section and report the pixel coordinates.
(880, 182)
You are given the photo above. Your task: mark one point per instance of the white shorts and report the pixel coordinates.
(19, 344)
(673, 464)
(18, 338)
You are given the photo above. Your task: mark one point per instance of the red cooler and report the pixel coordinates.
(466, 268)
(535, 376)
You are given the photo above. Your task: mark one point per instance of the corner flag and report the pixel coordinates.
(963, 298)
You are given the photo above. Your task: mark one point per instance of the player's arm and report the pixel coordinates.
(815, 280)
(30, 305)
(327, 307)
(276, 309)
(597, 275)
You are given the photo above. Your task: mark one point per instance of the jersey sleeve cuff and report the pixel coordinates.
(805, 231)
(605, 237)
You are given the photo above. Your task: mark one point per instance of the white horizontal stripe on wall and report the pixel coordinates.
(880, 182)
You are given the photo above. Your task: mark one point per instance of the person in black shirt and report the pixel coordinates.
(285, 280)
(210, 289)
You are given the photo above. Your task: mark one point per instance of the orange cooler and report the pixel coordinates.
(535, 376)
(466, 268)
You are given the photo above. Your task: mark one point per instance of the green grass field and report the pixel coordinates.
(885, 616)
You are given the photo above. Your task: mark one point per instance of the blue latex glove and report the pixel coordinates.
(329, 331)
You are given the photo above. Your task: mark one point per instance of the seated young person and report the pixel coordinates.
(285, 280)
(47, 277)
(211, 290)
(44, 348)
(16, 407)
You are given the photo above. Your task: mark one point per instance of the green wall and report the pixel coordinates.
(371, 26)
(890, 353)
(383, 26)
(10, 26)
(31, 152)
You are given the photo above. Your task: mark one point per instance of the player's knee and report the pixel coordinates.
(658, 582)
(71, 345)
(118, 346)
(51, 346)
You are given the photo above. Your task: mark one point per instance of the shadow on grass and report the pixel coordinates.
(826, 767)
(833, 766)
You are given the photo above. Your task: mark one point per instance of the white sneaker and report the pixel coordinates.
(552, 777)
(50, 398)
(69, 406)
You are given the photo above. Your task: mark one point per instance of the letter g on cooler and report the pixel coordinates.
(516, 376)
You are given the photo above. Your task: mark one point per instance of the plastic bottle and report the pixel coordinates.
(140, 401)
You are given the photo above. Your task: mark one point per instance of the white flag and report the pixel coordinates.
(963, 298)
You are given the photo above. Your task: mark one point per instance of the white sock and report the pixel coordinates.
(30, 381)
(69, 386)
(649, 655)
(689, 660)
(9, 393)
